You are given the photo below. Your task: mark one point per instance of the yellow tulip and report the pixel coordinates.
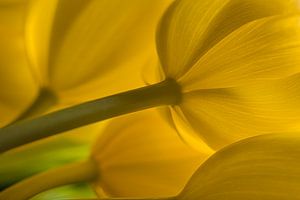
(132, 158)
(77, 49)
(80, 50)
(119, 30)
(265, 167)
(228, 57)
(119, 36)
(229, 71)
(141, 155)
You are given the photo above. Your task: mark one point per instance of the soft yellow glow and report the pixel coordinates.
(140, 155)
(86, 49)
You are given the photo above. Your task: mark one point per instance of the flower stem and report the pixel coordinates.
(72, 173)
(166, 92)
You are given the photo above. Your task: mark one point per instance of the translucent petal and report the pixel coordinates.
(190, 28)
(38, 26)
(124, 77)
(264, 49)
(222, 116)
(100, 42)
(187, 132)
(264, 167)
(17, 86)
(140, 155)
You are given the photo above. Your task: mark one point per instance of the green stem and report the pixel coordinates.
(72, 173)
(164, 93)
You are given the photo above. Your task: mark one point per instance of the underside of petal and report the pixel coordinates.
(190, 28)
(263, 167)
(38, 27)
(141, 155)
(222, 116)
(261, 50)
(105, 42)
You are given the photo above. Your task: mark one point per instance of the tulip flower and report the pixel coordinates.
(236, 63)
(262, 167)
(124, 32)
(219, 76)
(128, 36)
(75, 61)
(135, 160)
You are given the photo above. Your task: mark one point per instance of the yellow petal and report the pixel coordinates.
(190, 28)
(261, 50)
(185, 130)
(140, 155)
(97, 41)
(11, 14)
(263, 168)
(222, 116)
(17, 86)
(38, 27)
